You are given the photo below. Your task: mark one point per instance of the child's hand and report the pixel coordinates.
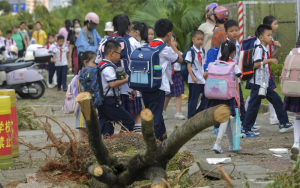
(205, 75)
(274, 61)
(194, 79)
(277, 44)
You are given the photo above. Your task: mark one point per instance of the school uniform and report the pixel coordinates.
(292, 104)
(231, 102)
(51, 66)
(177, 88)
(112, 108)
(7, 44)
(155, 100)
(61, 66)
(272, 96)
(195, 89)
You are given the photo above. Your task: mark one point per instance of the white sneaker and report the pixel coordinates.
(295, 148)
(274, 120)
(179, 116)
(217, 149)
(165, 115)
(51, 86)
(255, 128)
(231, 148)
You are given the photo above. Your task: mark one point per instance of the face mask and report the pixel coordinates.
(77, 30)
(92, 26)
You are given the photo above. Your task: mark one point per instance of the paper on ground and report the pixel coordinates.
(218, 160)
(279, 150)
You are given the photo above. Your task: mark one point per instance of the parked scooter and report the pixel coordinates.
(25, 77)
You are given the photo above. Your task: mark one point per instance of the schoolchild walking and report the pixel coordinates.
(50, 67)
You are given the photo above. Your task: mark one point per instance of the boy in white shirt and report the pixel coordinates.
(196, 80)
(8, 42)
(155, 100)
(60, 57)
(261, 79)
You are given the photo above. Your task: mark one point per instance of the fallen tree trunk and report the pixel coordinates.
(151, 163)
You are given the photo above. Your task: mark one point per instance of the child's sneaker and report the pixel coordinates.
(179, 116)
(231, 148)
(215, 131)
(295, 148)
(250, 134)
(255, 128)
(274, 120)
(165, 115)
(217, 149)
(286, 127)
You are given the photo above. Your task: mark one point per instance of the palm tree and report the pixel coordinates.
(186, 16)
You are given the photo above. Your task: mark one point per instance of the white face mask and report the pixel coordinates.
(77, 30)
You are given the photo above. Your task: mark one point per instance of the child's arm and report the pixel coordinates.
(53, 58)
(118, 83)
(278, 46)
(68, 59)
(173, 46)
(272, 60)
(70, 54)
(189, 67)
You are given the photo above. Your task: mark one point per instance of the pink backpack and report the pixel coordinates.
(220, 83)
(69, 105)
(290, 76)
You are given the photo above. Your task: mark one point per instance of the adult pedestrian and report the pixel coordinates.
(209, 26)
(24, 32)
(30, 31)
(64, 31)
(73, 53)
(19, 39)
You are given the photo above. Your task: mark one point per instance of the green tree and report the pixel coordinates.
(186, 16)
(5, 7)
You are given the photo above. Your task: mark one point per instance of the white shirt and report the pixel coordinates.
(51, 47)
(7, 43)
(166, 55)
(61, 59)
(237, 51)
(177, 66)
(257, 57)
(108, 74)
(197, 69)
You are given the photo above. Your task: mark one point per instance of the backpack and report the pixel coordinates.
(246, 63)
(145, 72)
(248, 43)
(290, 76)
(125, 51)
(69, 105)
(212, 56)
(220, 83)
(90, 79)
(183, 70)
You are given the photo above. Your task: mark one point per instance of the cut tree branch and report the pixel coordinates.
(103, 174)
(157, 176)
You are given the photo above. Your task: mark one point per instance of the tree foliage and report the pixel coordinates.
(5, 7)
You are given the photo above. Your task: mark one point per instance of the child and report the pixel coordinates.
(112, 109)
(109, 29)
(262, 75)
(39, 35)
(221, 16)
(60, 57)
(177, 89)
(2, 46)
(150, 34)
(50, 67)
(196, 80)
(228, 52)
(8, 42)
(155, 100)
(292, 104)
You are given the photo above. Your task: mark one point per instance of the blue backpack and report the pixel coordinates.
(125, 50)
(248, 43)
(183, 70)
(212, 56)
(145, 72)
(90, 79)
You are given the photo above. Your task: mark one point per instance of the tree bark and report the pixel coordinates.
(93, 129)
(103, 174)
(189, 129)
(156, 176)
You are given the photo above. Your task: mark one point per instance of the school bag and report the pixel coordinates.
(90, 79)
(183, 70)
(290, 76)
(212, 56)
(145, 72)
(220, 83)
(69, 105)
(125, 50)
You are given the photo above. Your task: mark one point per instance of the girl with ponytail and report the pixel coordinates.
(228, 50)
(139, 31)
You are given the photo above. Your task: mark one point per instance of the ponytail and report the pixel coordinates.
(142, 28)
(227, 48)
(84, 56)
(121, 23)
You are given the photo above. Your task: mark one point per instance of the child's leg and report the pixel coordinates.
(194, 93)
(59, 76)
(242, 104)
(167, 100)
(222, 129)
(155, 102)
(64, 77)
(297, 129)
(275, 100)
(204, 100)
(178, 104)
(55, 78)
(247, 103)
(252, 111)
(51, 72)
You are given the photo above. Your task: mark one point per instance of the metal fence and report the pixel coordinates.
(285, 12)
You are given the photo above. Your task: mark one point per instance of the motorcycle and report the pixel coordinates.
(25, 77)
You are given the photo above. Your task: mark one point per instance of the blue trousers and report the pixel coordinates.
(110, 112)
(254, 104)
(61, 72)
(51, 70)
(155, 102)
(194, 92)
(242, 103)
